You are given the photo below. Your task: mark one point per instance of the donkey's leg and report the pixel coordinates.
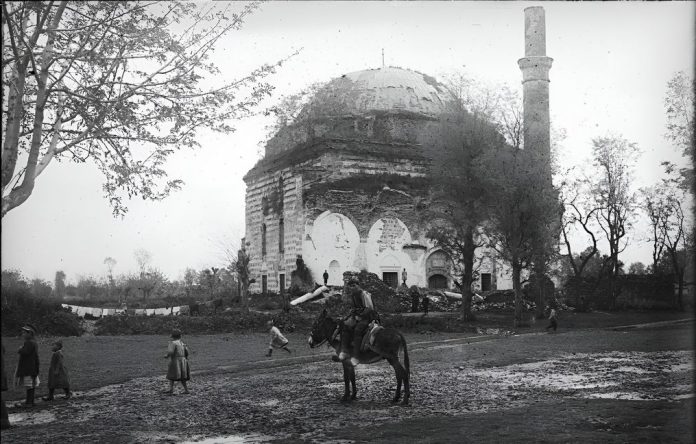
(407, 386)
(352, 382)
(346, 382)
(399, 371)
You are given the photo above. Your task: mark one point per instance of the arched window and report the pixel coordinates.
(263, 240)
(281, 236)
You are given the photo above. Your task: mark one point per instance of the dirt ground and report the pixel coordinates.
(593, 385)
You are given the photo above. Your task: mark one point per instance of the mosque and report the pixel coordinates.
(344, 186)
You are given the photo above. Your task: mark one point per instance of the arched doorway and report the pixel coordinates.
(335, 275)
(437, 281)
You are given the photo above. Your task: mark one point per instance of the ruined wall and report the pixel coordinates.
(402, 127)
(268, 199)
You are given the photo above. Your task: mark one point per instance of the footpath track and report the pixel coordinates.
(414, 346)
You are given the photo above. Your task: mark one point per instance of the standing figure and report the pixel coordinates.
(326, 277)
(277, 339)
(27, 373)
(552, 319)
(178, 370)
(415, 299)
(404, 275)
(425, 304)
(361, 314)
(5, 424)
(57, 373)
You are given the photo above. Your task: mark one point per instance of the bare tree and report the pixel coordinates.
(241, 267)
(522, 203)
(579, 212)
(110, 264)
(664, 205)
(679, 104)
(613, 159)
(121, 84)
(143, 258)
(60, 285)
(653, 205)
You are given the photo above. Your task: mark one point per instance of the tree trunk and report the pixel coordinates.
(680, 290)
(516, 272)
(540, 296)
(245, 297)
(468, 274)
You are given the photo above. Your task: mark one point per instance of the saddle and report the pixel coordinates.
(370, 333)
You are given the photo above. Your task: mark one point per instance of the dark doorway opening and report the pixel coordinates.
(485, 281)
(437, 281)
(391, 279)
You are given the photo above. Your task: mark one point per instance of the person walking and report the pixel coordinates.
(57, 373)
(277, 339)
(27, 373)
(178, 369)
(5, 423)
(326, 277)
(553, 323)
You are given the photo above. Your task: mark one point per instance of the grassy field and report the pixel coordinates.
(95, 361)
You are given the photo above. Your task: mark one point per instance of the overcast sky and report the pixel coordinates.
(611, 66)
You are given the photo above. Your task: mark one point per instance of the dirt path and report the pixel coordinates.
(612, 386)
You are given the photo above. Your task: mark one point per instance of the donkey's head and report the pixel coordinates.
(322, 329)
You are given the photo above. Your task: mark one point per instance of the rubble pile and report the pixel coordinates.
(384, 297)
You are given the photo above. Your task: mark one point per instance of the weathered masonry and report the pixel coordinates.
(345, 187)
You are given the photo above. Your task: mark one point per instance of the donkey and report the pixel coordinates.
(388, 344)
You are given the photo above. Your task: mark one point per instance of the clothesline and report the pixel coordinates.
(99, 312)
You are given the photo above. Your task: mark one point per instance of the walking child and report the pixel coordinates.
(57, 373)
(178, 370)
(27, 373)
(277, 339)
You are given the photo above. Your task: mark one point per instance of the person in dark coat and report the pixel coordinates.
(415, 299)
(425, 304)
(27, 373)
(5, 424)
(57, 373)
(326, 277)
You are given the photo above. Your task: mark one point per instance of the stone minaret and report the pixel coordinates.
(535, 82)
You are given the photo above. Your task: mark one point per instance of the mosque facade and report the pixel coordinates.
(344, 187)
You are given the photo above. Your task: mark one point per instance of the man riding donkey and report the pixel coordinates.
(361, 315)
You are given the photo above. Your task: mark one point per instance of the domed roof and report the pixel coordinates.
(390, 90)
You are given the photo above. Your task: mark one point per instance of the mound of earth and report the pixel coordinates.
(384, 297)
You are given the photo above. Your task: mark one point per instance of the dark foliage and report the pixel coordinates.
(20, 306)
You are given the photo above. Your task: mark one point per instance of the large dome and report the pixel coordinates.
(383, 90)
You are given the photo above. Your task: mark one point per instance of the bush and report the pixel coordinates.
(232, 321)
(47, 316)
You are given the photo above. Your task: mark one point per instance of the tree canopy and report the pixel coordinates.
(121, 84)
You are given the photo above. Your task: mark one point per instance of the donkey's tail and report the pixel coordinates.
(407, 365)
